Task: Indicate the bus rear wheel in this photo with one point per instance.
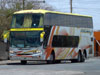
(81, 57)
(23, 62)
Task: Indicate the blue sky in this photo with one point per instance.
(85, 7)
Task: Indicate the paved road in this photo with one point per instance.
(90, 67)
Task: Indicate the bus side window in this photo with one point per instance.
(65, 41)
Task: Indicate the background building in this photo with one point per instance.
(97, 43)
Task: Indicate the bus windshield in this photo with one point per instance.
(25, 39)
(27, 21)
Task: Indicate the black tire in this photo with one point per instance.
(79, 57)
(57, 61)
(73, 60)
(51, 59)
(85, 53)
(83, 58)
(23, 62)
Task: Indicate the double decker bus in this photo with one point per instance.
(50, 36)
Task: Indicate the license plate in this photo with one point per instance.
(21, 58)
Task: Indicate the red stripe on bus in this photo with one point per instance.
(23, 56)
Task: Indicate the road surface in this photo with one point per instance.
(90, 67)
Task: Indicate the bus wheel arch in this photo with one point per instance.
(51, 58)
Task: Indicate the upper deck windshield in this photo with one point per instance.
(27, 21)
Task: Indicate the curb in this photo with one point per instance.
(5, 62)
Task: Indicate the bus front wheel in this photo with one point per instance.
(51, 59)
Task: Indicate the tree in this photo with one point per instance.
(8, 7)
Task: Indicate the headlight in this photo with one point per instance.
(38, 51)
(12, 52)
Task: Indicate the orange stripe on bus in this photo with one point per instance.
(66, 53)
(75, 54)
(71, 51)
(49, 48)
(58, 52)
(86, 47)
(51, 38)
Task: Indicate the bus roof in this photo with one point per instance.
(47, 11)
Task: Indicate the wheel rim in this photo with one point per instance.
(51, 57)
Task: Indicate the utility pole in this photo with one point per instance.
(23, 4)
(71, 6)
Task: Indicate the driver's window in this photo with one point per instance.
(27, 21)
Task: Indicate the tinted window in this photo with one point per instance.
(27, 21)
(25, 39)
(47, 30)
(68, 20)
(65, 41)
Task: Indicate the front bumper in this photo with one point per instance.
(27, 57)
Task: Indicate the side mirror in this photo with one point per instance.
(5, 40)
(5, 36)
(42, 36)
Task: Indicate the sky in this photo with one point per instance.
(85, 7)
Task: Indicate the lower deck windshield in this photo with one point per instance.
(25, 39)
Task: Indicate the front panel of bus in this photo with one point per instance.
(26, 37)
